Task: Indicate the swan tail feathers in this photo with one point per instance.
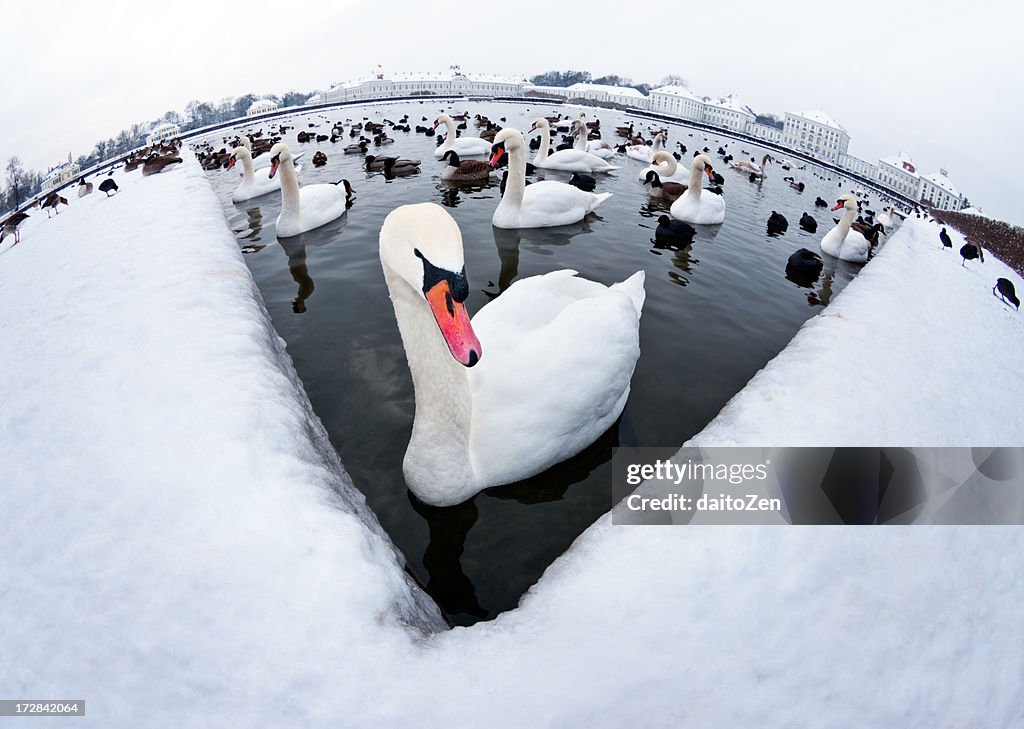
(599, 198)
(634, 288)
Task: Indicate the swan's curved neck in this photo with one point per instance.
(695, 184)
(656, 147)
(846, 221)
(515, 185)
(441, 427)
(247, 174)
(581, 139)
(542, 152)
(452, 134)
(764, 161)
(668, 167)
(289, 188)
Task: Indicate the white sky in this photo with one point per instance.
(939, 80)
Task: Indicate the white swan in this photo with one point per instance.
(694, 207)
(463, 146)
(645, 152)
(568, 160)
(842, 242)
(758, 170)
(667, 167)
(309, 207)
(596, 147)
(538, 375)
(542, 204)
(886, 218)
(254, 182)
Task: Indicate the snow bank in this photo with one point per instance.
(177, 527)
(916, 351)
(181, 546)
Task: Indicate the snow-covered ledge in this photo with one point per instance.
(181, 546)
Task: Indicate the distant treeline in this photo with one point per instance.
(21, 184)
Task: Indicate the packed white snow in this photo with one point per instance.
(917, 351)
(181, 547)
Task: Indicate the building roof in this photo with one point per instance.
(942, 181)
(902, 162)
(411, 76)
(677, 91)
(263, 104)
(164, 127)
(731, 103)
(60, 169)
(620, 90)
(820, 117)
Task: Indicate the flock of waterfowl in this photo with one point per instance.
(475, 426)
(152, 161)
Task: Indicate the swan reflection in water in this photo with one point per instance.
(250, 231)
(509, 242)
(448, 583)
(295, 248)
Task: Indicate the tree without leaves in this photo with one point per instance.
(674, 80)
(561, 78)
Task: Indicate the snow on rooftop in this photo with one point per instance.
(901, 161)
(676, 91)
(620, 90)
(942, 182)
(202, 547)
(731, 103)
(416, 76)
(819, 117)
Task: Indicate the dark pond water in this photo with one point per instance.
(716, 312)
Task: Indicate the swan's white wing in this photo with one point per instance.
(320, 204)
(559, 353)
(554, 203)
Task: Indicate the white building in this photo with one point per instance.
(162, 133)
(561, 92)
(60, 176)
(622, 95)
(448, 83)
(816, 134)
(728, 112)
(764, 131)
(939, 192)
(899, 173)
(676, 101)
(858, 166)
(262, 106)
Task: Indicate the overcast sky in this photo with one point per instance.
(939, 80)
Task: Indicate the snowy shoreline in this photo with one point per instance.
(183, 546)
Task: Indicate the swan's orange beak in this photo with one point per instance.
(274, 164)
(496, 156)
(839, 205)
(710, 172)
(453, 320)
(231, 163)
